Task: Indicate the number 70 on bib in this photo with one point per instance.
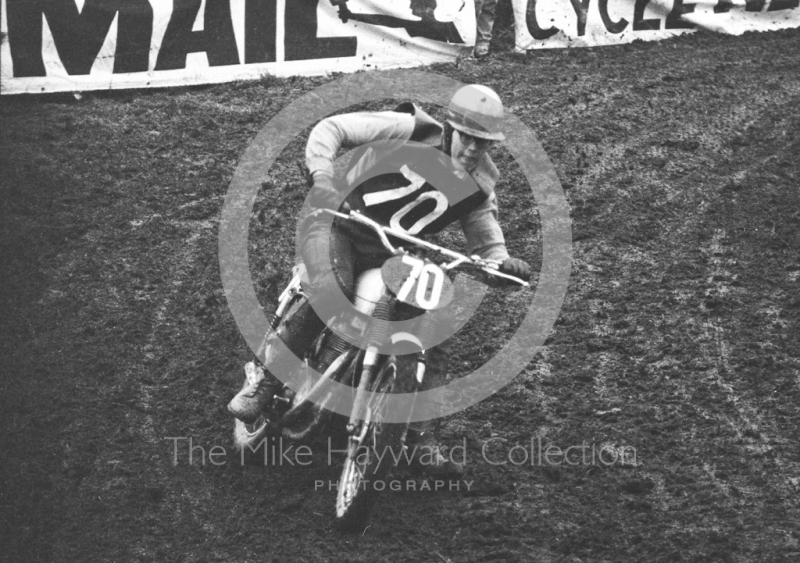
(417, 282)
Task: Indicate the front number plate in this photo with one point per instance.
(418, 282)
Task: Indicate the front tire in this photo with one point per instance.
(357, 490)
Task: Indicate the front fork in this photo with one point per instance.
(379, 334)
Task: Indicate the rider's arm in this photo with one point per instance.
(483, 233)
(351, 130)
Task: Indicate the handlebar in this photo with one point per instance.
(490, 267)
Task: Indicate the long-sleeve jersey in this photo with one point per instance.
(477, 214)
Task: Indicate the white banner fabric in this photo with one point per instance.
(76, 45)
(586, 23)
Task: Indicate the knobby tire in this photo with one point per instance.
(356, 492)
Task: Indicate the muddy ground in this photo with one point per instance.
(676, 350)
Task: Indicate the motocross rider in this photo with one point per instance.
(472, 126)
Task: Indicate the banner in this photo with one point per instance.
(74, 45)
(584, 23)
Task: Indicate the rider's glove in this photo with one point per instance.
(324, 194)
(517, 268)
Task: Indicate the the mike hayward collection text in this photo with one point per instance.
(280, 452)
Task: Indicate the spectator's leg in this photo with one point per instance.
(485, 16)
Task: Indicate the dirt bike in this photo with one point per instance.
(406, 283)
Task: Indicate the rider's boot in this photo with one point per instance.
(256, 395)
(260, 387)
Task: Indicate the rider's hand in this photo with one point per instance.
(324, 194)
(517, 268)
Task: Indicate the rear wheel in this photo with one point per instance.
(364, 473)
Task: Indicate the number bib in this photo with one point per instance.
(409, 190)
(417, 282)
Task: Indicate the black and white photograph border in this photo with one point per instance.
(657, 419)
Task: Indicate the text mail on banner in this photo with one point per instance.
(68, 45)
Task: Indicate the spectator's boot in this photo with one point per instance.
(481, 50)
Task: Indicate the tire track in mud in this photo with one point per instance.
(133, 468)
(727, 403)
(715, 350)
(145, 546)
(536, 382)
(759, 439)
(183, 499)
(680, 228)
(753, 430)
(592, 310)
(177, 496)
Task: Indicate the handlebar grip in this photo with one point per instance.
(517, 268)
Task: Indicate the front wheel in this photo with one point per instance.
(372, 453)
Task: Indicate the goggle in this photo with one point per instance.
(479, 142)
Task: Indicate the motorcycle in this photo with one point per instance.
(406, 285)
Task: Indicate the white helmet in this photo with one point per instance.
(477, 110)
